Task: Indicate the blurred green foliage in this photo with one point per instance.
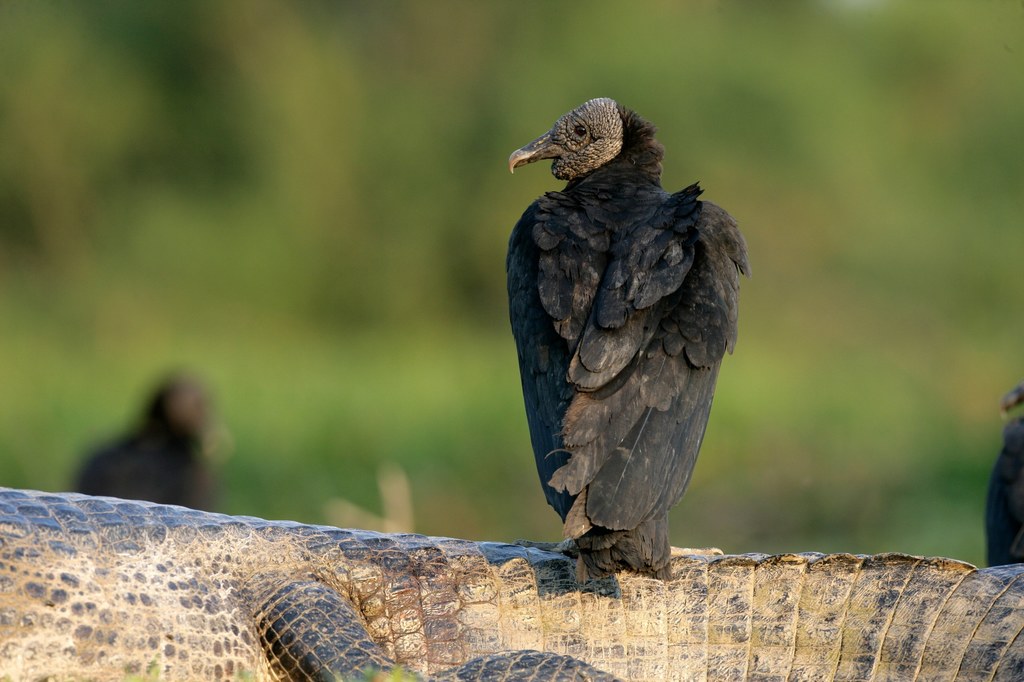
(308, 204)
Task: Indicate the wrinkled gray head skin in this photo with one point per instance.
(581, 141)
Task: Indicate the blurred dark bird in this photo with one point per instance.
(163, 459)
(1004, 508)
(623, 300)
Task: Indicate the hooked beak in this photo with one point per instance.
(541, 148)
(1012, 399)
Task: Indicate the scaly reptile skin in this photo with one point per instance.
(94, 588)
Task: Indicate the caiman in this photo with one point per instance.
(101, 588)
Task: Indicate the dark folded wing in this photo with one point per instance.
(552, 274)
(650, 259)
(647, 376)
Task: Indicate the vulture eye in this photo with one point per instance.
(580, 130)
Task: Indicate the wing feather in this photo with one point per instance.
(543, 356)
(634, 445)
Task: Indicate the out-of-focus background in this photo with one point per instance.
(308, 205)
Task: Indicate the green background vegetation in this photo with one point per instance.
(308, 205)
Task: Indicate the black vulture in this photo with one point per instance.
(162, 459)
(623, 300)
(1004, 508)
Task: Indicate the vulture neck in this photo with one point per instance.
(639, 148)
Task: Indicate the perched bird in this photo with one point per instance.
(623, 300)
(162, 459)
(1004, 508)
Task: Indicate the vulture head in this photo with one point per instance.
(581, 141)
(180, 409)
(1012, 399)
